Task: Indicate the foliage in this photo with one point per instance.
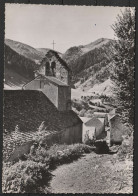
(93, 64)
(126, 148)
(32, 175)
(123, 68)
(59, 154)
(23, 177)
(88, 140)
(80, 105)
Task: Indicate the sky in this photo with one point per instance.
(68, 26)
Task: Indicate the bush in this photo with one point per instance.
(126, 149)
(32, 175)
(23, 177)
(59, 154)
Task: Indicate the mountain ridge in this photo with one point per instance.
(89, 63)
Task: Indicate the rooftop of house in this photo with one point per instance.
(94, 122)
(111, 116)
(113, 111)
(29, 108)
(102, 120)
(85, 119)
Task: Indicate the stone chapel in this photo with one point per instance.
(53, 78)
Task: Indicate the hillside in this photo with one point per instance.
(90, 64)
(75, 52)
(34, 54)
(17, 69)
(21, 60)
(45, 50)
(105, 88)
(13, 80)
(25, 50)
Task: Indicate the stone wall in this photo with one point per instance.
(68, 136)
(116, 130)
(64, 98)
(60, 72)
(73, 134)
(51, 91)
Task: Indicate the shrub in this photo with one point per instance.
(32, 175)
(23, 177)
(126, 149)
(59, 154)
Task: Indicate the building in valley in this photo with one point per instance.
(93, 127)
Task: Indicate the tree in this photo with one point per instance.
(123, 66)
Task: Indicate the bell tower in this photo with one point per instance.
(54, 80)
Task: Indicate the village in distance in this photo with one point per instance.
(69, 116)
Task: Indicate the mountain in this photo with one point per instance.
(91, 64)
(105, 88)
(45, 50)
(75, 52)
(25, 50)
(21, 60)
(34, 54)
(13, 80)
(17, 68)
(82, 57)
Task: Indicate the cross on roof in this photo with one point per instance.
(53, 44)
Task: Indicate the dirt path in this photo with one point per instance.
(93, 174)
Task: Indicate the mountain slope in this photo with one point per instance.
(45, 50)
(82, 57)
(105, 88)
(34, 54)
(91, 63)
(13, 80)
(25, 50)
(17, 69)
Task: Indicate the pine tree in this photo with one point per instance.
(123, 66)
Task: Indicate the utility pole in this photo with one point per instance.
(53, 44)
